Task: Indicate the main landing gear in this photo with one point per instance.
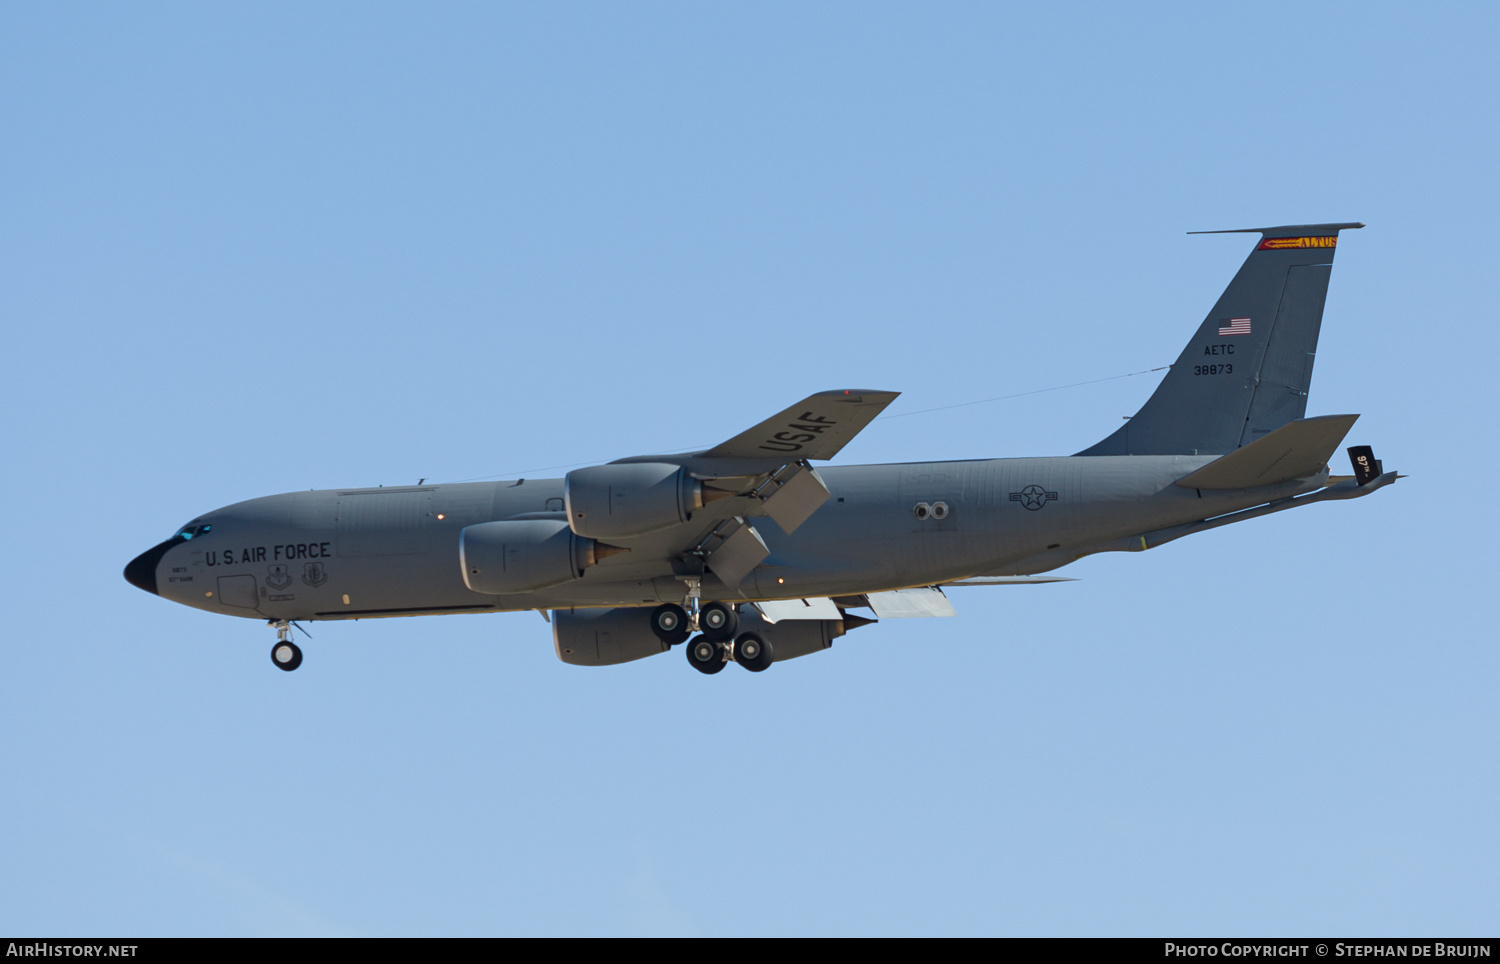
(286, 654)
(718, 621)
(710, 656)
(718, 646)
(673, 624)
(706, 656)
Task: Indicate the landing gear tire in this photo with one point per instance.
(718, 621)
(706, 656)
(670, 624)
(287, 656)
(753, 653)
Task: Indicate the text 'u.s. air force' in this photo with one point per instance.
(296, 550)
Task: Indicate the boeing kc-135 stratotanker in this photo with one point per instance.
(763, 556)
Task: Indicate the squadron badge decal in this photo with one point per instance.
(278, 578)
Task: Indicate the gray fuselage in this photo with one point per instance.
(362, 553)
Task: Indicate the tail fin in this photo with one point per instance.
(1247, 370)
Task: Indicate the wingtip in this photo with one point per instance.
(858, 392)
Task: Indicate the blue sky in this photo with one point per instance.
(259, 248)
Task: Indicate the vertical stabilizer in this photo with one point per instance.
(1247, 370)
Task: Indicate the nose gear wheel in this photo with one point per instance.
(287, 655)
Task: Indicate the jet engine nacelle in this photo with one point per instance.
(522, 555)
(791, 638)
(604, 637)
(610, 501)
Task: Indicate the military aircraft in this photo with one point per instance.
(763, 556)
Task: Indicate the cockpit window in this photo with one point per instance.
(192, 531)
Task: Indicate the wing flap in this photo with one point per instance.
(910, 603)
(796, 498)
(740, 550)
(775, 611)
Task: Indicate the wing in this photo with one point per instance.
(764, 471)
(815, 428)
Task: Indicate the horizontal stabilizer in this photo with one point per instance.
(1296, 450)
(1283, 231)
(817, 608)
(1009, 580)
(815, 428)
(910, 603)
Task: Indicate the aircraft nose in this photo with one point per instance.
(141, 571)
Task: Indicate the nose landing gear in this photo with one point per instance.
(286, 654)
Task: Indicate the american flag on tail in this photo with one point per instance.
(1236, 326)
